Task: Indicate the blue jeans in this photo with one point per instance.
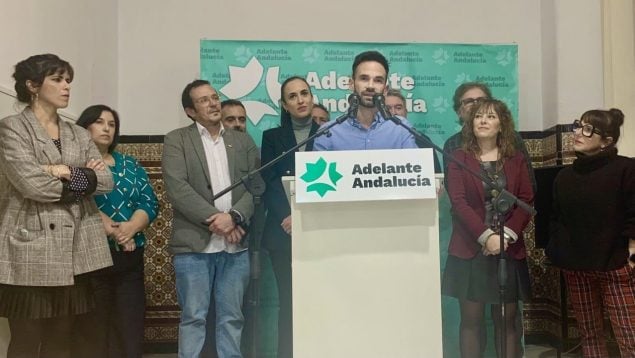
(198, 276)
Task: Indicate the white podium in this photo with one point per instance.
(366, 279)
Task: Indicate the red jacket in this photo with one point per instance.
(468, 204)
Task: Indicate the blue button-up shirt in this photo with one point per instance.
(351, 135)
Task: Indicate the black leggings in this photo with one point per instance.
(40, 338)
(472, 316)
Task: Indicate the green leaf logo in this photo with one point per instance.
(316, 170)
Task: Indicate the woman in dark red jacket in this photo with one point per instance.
(471, 270)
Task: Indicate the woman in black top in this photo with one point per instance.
(296, 125)
(592, 232)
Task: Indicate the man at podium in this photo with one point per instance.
(369, 130)
(344, 261)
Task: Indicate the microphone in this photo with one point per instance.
(353, 102)
(380, 102)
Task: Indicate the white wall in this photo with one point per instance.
(138, 55)
(580, 76)
(619, 66)
(157, 61)
(81, 32)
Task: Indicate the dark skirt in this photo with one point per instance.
(476, 279)
(38, 302)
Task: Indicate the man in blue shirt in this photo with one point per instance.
(369, 130)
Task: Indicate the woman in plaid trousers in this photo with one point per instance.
(592, 232)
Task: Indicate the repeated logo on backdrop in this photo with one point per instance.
(426, 74)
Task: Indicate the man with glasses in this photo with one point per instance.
(208, 240)
(465, 96)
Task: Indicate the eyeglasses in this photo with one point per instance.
(207, 99)
(587, 129)
(471, 101)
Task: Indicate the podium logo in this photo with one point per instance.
(317, 180)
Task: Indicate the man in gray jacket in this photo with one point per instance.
(208, 238)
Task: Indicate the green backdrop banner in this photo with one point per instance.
(426, 74)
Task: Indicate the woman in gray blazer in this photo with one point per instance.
(50, 227)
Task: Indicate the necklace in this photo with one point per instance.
(492, 172)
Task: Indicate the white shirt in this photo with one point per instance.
(216, 156)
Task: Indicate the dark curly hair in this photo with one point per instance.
(506, 137)
(35, 69)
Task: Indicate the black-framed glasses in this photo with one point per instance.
(207, 99)
(587, 129)
(471, 101)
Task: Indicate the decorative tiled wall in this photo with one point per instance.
(547, 318)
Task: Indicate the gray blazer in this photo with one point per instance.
(44, 242)
(189, 187)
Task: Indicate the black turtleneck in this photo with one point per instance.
(594, 212)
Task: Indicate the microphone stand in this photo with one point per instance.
(502, 203)
(255, 185)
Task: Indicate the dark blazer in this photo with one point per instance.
(274, 142)
(189, 188)
(468, 204)
(43, 241)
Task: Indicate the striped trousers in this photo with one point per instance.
(590, 293)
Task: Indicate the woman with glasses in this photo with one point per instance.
(296, 126)
(470, 273)
(592, 231)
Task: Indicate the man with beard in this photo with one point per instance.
(369, 130)
(234, 114)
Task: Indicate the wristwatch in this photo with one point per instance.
(236, 217)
